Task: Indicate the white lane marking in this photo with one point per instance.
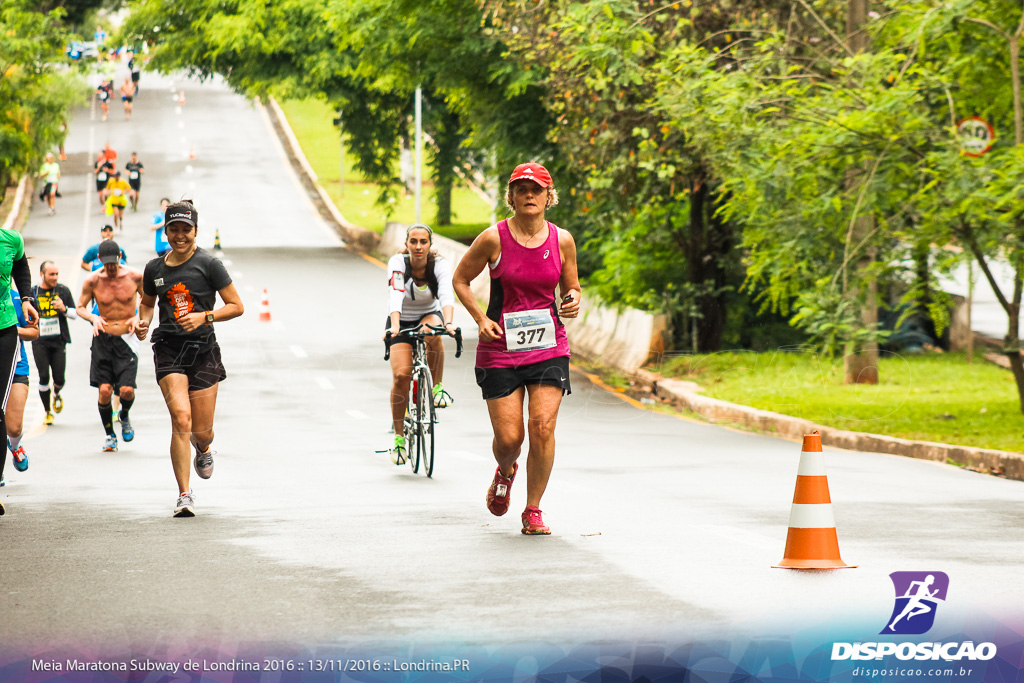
(324, 383)
(357, 415)
(89, 194)
(298, 351)
(189, 169)
(466, 455)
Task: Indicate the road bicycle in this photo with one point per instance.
(420, 416)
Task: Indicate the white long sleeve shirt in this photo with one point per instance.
(413, 301)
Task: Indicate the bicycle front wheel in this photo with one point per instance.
(426, 422)
(412, 431)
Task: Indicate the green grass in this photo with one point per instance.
(311, 120)
(931, 397)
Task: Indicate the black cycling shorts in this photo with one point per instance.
(20, 379)
(197, 359)
(502, 382)
(404, 325)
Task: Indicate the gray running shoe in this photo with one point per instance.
(185, 506)
(204, 463)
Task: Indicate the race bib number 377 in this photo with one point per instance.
(529, 330)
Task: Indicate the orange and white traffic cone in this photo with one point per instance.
(265, 307)
(192, 152)
(181, 97)
(812, 542)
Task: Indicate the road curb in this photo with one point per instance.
(355, 236)
(22, 199)
(687, 395)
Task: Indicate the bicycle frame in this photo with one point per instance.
(420, 416)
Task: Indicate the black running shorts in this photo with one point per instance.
(502, 382)
(113, 362)
(197, 359)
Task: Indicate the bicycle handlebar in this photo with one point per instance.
(435, 331)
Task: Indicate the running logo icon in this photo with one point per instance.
(917, 597)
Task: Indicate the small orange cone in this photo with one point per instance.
(812, 542)
(181, 97)
(265, 307)
(192, 152)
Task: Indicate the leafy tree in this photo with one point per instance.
(971, 52)
(365, 58)
(75, 12)
(35, 91)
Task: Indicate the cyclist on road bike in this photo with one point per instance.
(419, 293)
(523, 353)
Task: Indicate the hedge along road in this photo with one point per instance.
(662, 528)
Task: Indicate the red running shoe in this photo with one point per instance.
(501, 489)
(533, 523)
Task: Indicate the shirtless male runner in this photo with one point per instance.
(115, 360)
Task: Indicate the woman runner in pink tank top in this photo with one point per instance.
(523, 352)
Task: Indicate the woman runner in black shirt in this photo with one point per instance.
(183, 285)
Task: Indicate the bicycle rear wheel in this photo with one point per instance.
(427, 422)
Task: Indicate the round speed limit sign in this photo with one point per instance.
(976, 136)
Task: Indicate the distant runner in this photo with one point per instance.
(103, 169)
(127, 96)
(56, 306)
(160, 243)
(135, 170)
(50, 173)
(117, 198)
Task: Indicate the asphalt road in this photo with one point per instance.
(663, 528)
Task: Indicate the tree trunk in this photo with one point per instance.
(446, 156)
(706, 247)
(1011, 344)
(860, 363)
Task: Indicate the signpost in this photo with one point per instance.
(976, 136)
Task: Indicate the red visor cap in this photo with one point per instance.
(531, 171)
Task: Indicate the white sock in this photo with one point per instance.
(15, 441)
